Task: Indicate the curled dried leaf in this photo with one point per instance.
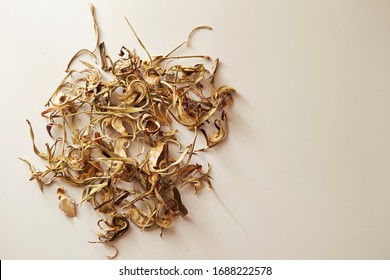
(196, 29)
(112, 230)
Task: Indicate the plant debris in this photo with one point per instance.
(66, 204)
(117, 138)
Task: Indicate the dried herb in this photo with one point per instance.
(66, 204)
(117, 136)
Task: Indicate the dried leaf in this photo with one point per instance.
(196, 29)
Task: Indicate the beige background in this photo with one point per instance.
(304, 173)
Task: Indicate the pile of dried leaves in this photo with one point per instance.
(115, 138)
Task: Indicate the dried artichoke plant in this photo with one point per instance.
(121, 153)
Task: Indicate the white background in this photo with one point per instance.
(281, 269)
(304, 173)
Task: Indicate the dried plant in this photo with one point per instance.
(121, 153)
